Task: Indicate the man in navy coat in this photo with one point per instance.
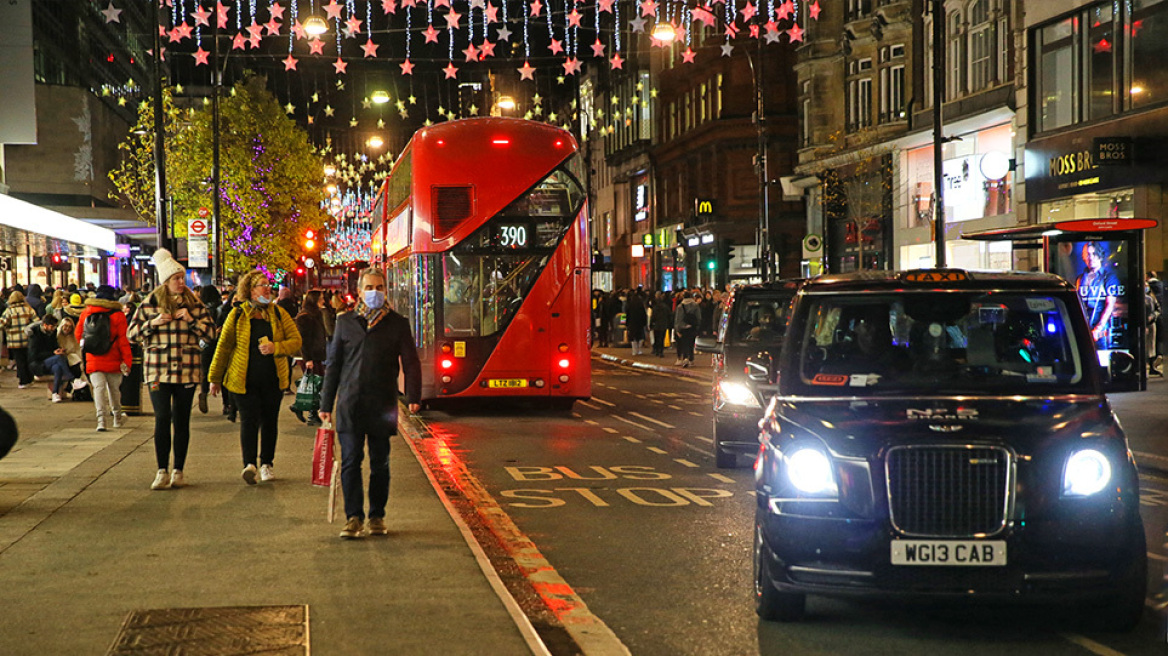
(361, 377)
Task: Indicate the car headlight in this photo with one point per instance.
(809, 471)
(1088, 471)
(737, 394)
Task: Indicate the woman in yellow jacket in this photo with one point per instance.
(251, 361)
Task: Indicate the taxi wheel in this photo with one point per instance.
(722, 459)
(769, 603)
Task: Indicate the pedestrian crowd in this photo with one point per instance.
(243, 343)
(639, 318)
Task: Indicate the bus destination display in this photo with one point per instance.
(512, 235)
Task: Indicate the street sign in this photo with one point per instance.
(812, 245)
(197, 228)
(204, 212)
(198, 255)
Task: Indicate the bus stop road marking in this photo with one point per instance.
(721, 477)
(696, 414)
(629, 438)
(586, 405)
(707, 440)
(651, 420)
(685, 462)
(609, 429)
(657, 450)
(602, 402)
(675, 407)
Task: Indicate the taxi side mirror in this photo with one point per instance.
(707, 345)
(1121, 368)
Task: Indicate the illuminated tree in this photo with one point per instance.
(270, 178)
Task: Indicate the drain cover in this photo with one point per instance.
(268, 630)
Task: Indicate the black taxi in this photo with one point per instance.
(944, 433)
(753, 320)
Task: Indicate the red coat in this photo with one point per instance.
(111, 361)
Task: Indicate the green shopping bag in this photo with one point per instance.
(307, 394)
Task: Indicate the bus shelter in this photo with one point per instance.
(1104, 260)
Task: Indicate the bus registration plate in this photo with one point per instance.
(507, 382)
(949, 552)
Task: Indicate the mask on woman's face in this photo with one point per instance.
(263, 300)
(374, 298)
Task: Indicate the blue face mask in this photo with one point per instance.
(374, 298)
(264, 300)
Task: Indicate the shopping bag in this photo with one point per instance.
(322, 456)
(307, 394)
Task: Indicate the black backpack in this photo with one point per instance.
(97, 334)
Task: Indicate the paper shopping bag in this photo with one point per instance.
(322, 456)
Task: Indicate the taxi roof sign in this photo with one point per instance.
(935, 275)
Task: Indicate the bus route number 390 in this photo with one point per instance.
(512, 235)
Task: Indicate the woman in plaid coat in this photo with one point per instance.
(169, 325)
(15, 319)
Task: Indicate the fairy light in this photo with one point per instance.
(295, 18)
(526, 40)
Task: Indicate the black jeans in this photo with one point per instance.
(685, 344)
(172, 405)
(259, 415)
(659, 341)
(352, 453)
(23, 373)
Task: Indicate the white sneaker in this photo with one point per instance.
(119, 419)
(267, 473)
(176, 479)
(161, 480)
(101, 424)
(56, 398)
(249, 474)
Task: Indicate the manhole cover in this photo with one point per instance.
(269, 630)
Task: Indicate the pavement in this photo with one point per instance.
(87, 549)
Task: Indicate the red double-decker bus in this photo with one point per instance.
(481, 227)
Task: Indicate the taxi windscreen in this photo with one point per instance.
(1002, 342)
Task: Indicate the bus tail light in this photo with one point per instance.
(446, 349)
(563, 378)
(565, 363)
(539, 382)
(563, 348)
(446, 379)
(447, 363)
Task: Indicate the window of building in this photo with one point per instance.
(805, 107)
(981, 46)
(892, 93)
(1058, 92)
(1005, 44)
(955, 57)
(856, 9)
(1101, 61)
(1149, 51)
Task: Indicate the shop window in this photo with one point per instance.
(1149, 48)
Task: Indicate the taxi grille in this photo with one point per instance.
(949, 491)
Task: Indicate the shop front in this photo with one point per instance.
(1115, 170)
(978, 175)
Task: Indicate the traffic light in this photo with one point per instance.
(59, 262)
(310, 239)
(725, 253)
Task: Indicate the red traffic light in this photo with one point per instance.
(299, 271)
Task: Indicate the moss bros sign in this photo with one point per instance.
(1061, 166)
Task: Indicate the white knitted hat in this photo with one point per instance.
(166, 265)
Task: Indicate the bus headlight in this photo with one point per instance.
(809, 471)
(737, 394)
(1088, 471)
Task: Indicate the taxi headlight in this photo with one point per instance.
(809, 471)
(1088, 471)
(737, 394)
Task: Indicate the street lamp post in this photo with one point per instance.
(938, 140)
(216, 219)
(160, 215)
(764, 205)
